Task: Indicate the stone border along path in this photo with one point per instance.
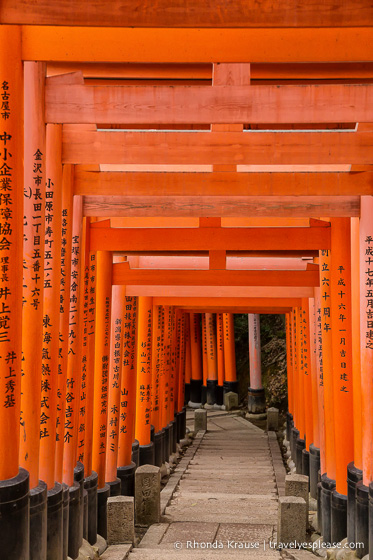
(222, 497)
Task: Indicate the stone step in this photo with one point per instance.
(205, 554)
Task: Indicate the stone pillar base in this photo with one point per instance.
(256, 402)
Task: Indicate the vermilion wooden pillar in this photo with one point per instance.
(127, 410)
(143, 384)
(220, 359)
(256, 397)
(66, 244)
(156, 395)
(302, 377)
(204, 360)
(295, 344)
(165, 371)
(51, 306)
(33, 269)
(307, 373)
(289, 369)
(230, 380)
(188, 359)
(320, 377)
(114, 382)
(14, 523)
(196, 360)
(212, 364)
(74, 352)
(340, 288)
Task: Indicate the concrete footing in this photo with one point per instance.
(147, 495)
(327, 487)
(353, 477)
(195, 392)
(136, 452)
(314, 467)
(200, 420)
(230, 400)
(338, 517)
(291, 525)
(102, 497)
(211, 386)
(272, 419)
(126, 474)
(120, 519)
(362, 518)
(90, 485)
(146, 454)
(75, 541)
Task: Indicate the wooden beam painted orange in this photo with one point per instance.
(219, 291)
(95, 44)
(123, 275)
(128, 183)
(209, 239)
(201, 302)
(203, 148)
(208, 104)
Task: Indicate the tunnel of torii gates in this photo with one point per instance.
(160, 170)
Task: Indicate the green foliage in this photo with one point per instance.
(273, 342)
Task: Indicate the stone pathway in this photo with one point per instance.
(226, 502)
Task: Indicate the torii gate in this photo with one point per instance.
(228, 146)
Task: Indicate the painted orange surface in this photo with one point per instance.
(229, 349)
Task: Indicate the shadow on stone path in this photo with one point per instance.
(226, 503)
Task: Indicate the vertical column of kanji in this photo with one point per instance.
(32, 312)
(51, 332)
(173, 375)
(115, 373)
(91, 477)
(289, 368)
(14, 482)
(73, 380)
(165, 383)
(127, 405)
(188, 360)
(354, 469)
(156, 364)
(65, 271)
(256, 396)
(319, 455)
(101, 381)
(340, 284)
(328, 476)
(366, 355)
(204, 360)
(195, 347)
(301, 425)
(295, 340)
(212, 366)
(144, 380)
(220, 358)
(230, 381)
(314, 448)
(307, 386)
(181, 411)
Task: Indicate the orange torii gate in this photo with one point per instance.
(221, 193)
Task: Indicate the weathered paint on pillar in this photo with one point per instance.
(51, 305)
(366, 334)
(195, 345)
(33, 265)
(128, 384)
(74, 350)
(340, 286)
(229, 349)
(326, 326)
(65, 272)
(212, 366)
(115, 377)
(143, 365)
(356, 358)
(220, 348)
(102, 360)
(255, 351)
(11, 216)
